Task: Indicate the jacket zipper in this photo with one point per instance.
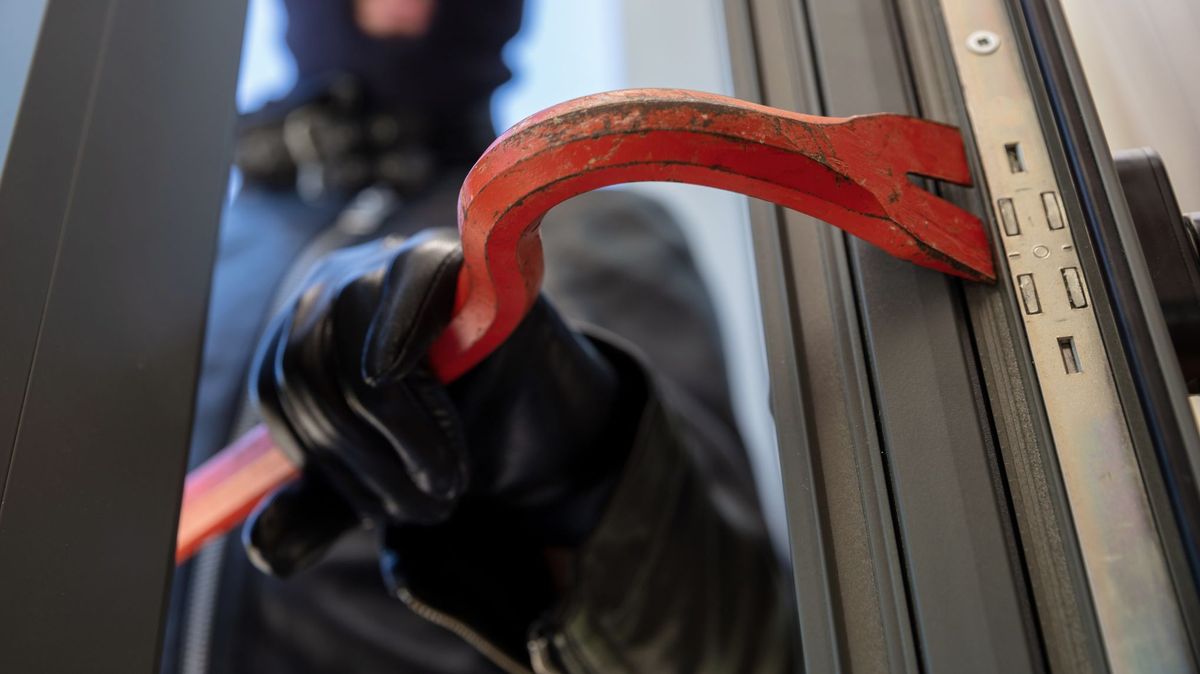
(464, 632)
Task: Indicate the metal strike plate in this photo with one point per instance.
(1124, 560)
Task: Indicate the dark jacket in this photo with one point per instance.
(678, 576)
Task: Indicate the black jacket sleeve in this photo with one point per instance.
(679, 576)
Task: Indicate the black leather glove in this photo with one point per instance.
(535, 435)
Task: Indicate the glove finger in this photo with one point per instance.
(401, 397)
(310, 421)
(327, 421)
(336, 414)
(416, 419)
(415, 305)
(294, 527)
(383, 449)
(264, 390)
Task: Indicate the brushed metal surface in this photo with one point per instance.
(1123, 556)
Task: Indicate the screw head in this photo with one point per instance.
(983, 42)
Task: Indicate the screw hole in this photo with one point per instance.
(983, 42)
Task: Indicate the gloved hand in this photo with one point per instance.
(537, 432)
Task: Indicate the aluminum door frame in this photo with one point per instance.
(901, 533)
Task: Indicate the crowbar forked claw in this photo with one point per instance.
(850, 172)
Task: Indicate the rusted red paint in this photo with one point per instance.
(849, 172)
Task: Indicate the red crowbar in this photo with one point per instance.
(850, 172)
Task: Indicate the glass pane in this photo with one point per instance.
(22, 21)
(665, 267)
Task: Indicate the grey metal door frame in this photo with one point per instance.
(929, 521)
(109, 203)
(884, 431)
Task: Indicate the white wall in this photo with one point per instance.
(681, 43)
(566, 49)
(1142, 61)
(267, 70)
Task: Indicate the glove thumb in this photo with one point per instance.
(415, 305)
(292, 529)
